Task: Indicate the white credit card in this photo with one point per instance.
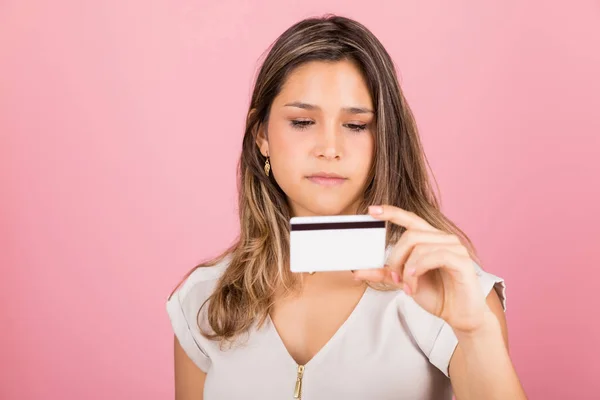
(336, 243)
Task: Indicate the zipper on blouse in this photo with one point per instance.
(298, 388)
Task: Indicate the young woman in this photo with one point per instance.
(329, 132)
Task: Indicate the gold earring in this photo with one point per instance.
(267, 166)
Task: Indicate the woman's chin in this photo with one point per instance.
(328, 209)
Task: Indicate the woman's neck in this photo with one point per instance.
(325, 282)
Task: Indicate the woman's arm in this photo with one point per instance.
(437, 271)
(189, 379)
(481, 367)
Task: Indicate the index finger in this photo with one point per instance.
(401, 217)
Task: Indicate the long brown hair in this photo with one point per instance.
(258, 261)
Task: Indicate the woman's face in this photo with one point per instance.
(320, 138)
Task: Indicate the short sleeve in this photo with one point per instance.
(183, 308)
(185, 332)
(433, 335)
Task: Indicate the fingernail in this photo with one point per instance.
(376, 209)
(395, 277)
(406, 289)
(411, 271)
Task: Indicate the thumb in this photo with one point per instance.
(379, 275)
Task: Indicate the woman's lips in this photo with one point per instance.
(325, 179)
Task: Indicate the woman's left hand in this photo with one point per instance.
(434, 268)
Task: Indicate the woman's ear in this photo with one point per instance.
(261, 139)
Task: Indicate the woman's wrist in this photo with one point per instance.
(488, 332)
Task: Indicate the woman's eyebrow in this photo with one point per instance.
(349, 110)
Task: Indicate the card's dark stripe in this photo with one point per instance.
(338, 225)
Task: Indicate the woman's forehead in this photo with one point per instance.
(320, 84)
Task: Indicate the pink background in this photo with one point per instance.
(120, 127)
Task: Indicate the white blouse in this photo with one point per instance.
(388, 348)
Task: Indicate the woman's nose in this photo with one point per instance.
(329, 143)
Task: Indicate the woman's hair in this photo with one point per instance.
(258, 261)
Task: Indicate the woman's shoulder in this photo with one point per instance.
(185, 301)
(200, 282)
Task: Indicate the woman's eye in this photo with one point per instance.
(357, 127)
(301, 124)
(304, 124)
